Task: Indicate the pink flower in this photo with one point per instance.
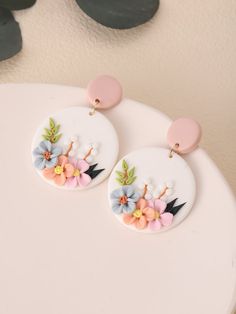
(79, 177)
(60, 172)
(162, 219)
(141, 215)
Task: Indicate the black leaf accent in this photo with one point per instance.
(170, 208)
(93, 173)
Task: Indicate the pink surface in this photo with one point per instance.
(64, 252)
(186, 133)
(106, 89)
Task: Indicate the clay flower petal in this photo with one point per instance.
(62, 160)
(160, 205)
(73, 162)
(149, 213)
(69, 170)
(155, 225)
(166, 219)
(142, 203)
(141, 223)
(56, 151)
(128, 219)
(45, 146)
(117, 208)
(60, 179)
(129, 207)
(72, 182)
(84, 179)
(40, 163)
(51, 163)
(49, 173)
(82, 165)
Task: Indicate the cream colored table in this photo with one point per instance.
(64, 252)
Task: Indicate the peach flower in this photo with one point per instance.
(141, 216)
(60, 172)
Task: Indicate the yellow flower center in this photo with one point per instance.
(58, 169)
(137, 213)
(76, 173)
(157, 215)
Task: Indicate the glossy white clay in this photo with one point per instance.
(64, 252)
(76, 122)
(154, 166)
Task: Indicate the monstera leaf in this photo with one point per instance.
(16, 4)
(10, 35)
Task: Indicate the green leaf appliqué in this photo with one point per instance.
(52, 133)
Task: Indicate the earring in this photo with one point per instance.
(153, 189)
(77, 147)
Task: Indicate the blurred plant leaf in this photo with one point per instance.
(10, 35)
(16, 4)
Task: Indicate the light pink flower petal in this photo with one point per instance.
(73, 162)
(150, 204)
(84, 179)
(142, 203)
(160, 205)
(62, 160)
(166, 219)
(155, 225)
(72, 182)
(82, 165)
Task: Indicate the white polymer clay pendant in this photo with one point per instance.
(76, 148)
(153, 189)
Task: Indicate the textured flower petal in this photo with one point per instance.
(128, 219)
(60, 179)
(56, 151)
(142, 203)
(82, 165)
(135, 196)
(49, 173)
(39, 163)
(151, 204)
(117, 193)
(51, 163)
(73, 162)
(166, 219)
(69, 170)
(46, 146)
(155, 225)
(62, 160)
(84, 179)
(129, 207)
(141, 223)
(72, 182)
(160, 205)
(129, 190)
(37, 152)
(117, 208)
(149, 213)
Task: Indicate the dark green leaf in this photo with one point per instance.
(17, 4)
(10, 35)
(93, 173)
(170, 205)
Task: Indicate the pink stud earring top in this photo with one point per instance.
(104, 92)
(184, 135)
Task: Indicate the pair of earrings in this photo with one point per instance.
(150, 190)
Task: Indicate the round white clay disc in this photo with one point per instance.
(74, 150)
(150, 192)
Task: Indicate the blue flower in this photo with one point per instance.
(46, 155)
(124, 199)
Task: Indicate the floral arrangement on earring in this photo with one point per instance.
(61, 165)
(143, 207)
